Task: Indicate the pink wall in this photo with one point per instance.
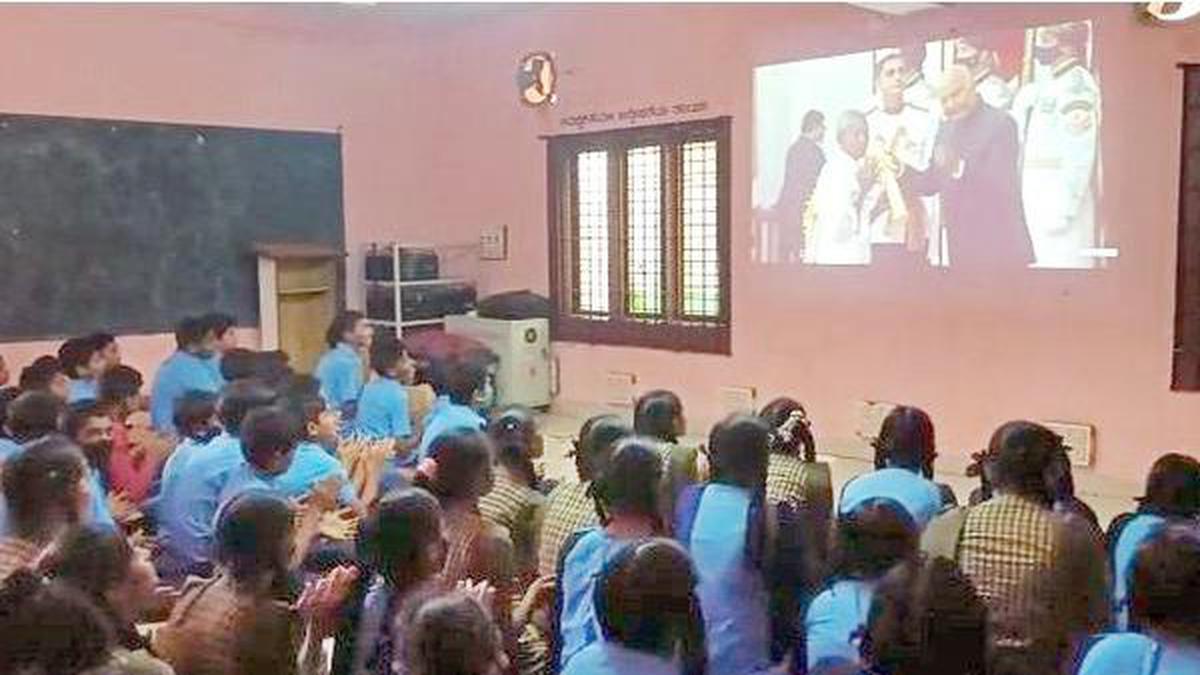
(436, 147)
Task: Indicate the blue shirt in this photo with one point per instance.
(340, 371)
(82, 390)
(189, 504)
(243, 478)
(732, 592)
(446, 416)
(180, 373)
(177, 462)
(8, 448)
(214, 362)
(917, 494)
(577, 621)
(834, 619)
(383, 410)
(1137, 654)
(310, 464)
(609, 658)
(1136, 532)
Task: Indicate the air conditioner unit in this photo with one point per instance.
(523, 376)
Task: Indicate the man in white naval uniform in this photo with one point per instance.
(1059, 115)
(837, 233)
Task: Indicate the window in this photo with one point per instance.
(1185, 370)
(639, 236)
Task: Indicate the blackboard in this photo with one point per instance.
(129, 226)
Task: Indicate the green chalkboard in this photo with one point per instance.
(129, 226)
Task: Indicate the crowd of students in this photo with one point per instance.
(372, 519)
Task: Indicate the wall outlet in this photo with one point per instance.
(618, 388)
(870, 417)
(1080, 440)
(737, 400)
(493, 243)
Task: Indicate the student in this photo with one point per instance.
(457, 380)
(648, 613)
(403, 542)
(224, 333)
(383, 406)
(239, 364)
(870, 541)
(120, 582)
(570, 507)
(87, 424)
(910, 427)
(724, 526)
(514, 502)
(81, 640)
(905, 462)
(46, 491)
(1164, 585)
(197, 424)
(83, 364)
(110, 351)
(315, 459)
(7, 396)
(191, 493)
(1172, 496)
(658, 414)
(628, 501)
(186, 370)
(45, 374)
(1062, 485)
(30, 416)
(138, 452)
(452, 634)
(796, 480)
(269, 437)
(245, 619)
(340, 369)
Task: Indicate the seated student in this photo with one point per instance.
(190, 497)
(340, 369)
(238, 364)
(45, 374)
(120, 582)
(46, 492)
(186, 370)
(315, 458)
(246, 619)
(628, 501)
(137, 452)
(450, 634)
(89, 426)
(403, 542)
(197, 424)
(903, 478)
(514, 502)
(383, 405)
(269, 438)
(658, 414)
(870, 541)
(457, 380)
(569, 506)
(110, 351)
(1164, 586)
(31, 416)
(224, 331)
(648, 613)
(1062, 485)
(83, 363)
(1172, 496)
(7, 396)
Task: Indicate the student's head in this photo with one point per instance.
(196, 415)
(238, 399)
(631, 484)
(926, 618)
(238, 364)
(192, 334)
(403, 539)
(1059, 476)
(33, 415)
(739, 450)
(598, 437)
(44, 374)
(254, 538)
(390, 359)
(46, 487)
(89, 425)
(121, 389)
(100, 562)
(1165, 583)
(106, 345)
(223, 329)
(273, 368)
(269, 437)
(349, 327)
(645, 600)
(452, 634)
(872, 538)
(659, 414)
(464, 472)
(50, 627)
(1019, 460)
(906, 441)
(321, 422)
(791, 433)
(1173, 486)
(460, 377)
(80, 358)
(518, 442)
(813, 126)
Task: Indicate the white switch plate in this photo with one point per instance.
(493, 243)
(739, 400)
(619, 388)
(870, 415)
(1079, 438)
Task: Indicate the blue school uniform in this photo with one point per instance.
(1137, 654)
(8, 448)
(833, 621)
(310, 464)
(180, 373)
(340, 371)
(82, 390)
(189, 504)
(446, 416)
(580, 569)
(1136, 532)
(244, 478)
(383, 410)
(609, 658)
(100, 513)
(733, 595)
(917, 494)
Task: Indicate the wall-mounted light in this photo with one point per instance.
(1169, 13)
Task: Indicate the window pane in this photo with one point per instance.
(643, 190)
(701, 287)
(591, 264)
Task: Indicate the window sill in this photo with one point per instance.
(699, 338)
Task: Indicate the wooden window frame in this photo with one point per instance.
(1185, 357)
(618, 326)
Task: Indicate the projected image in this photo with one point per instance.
(978, 151)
